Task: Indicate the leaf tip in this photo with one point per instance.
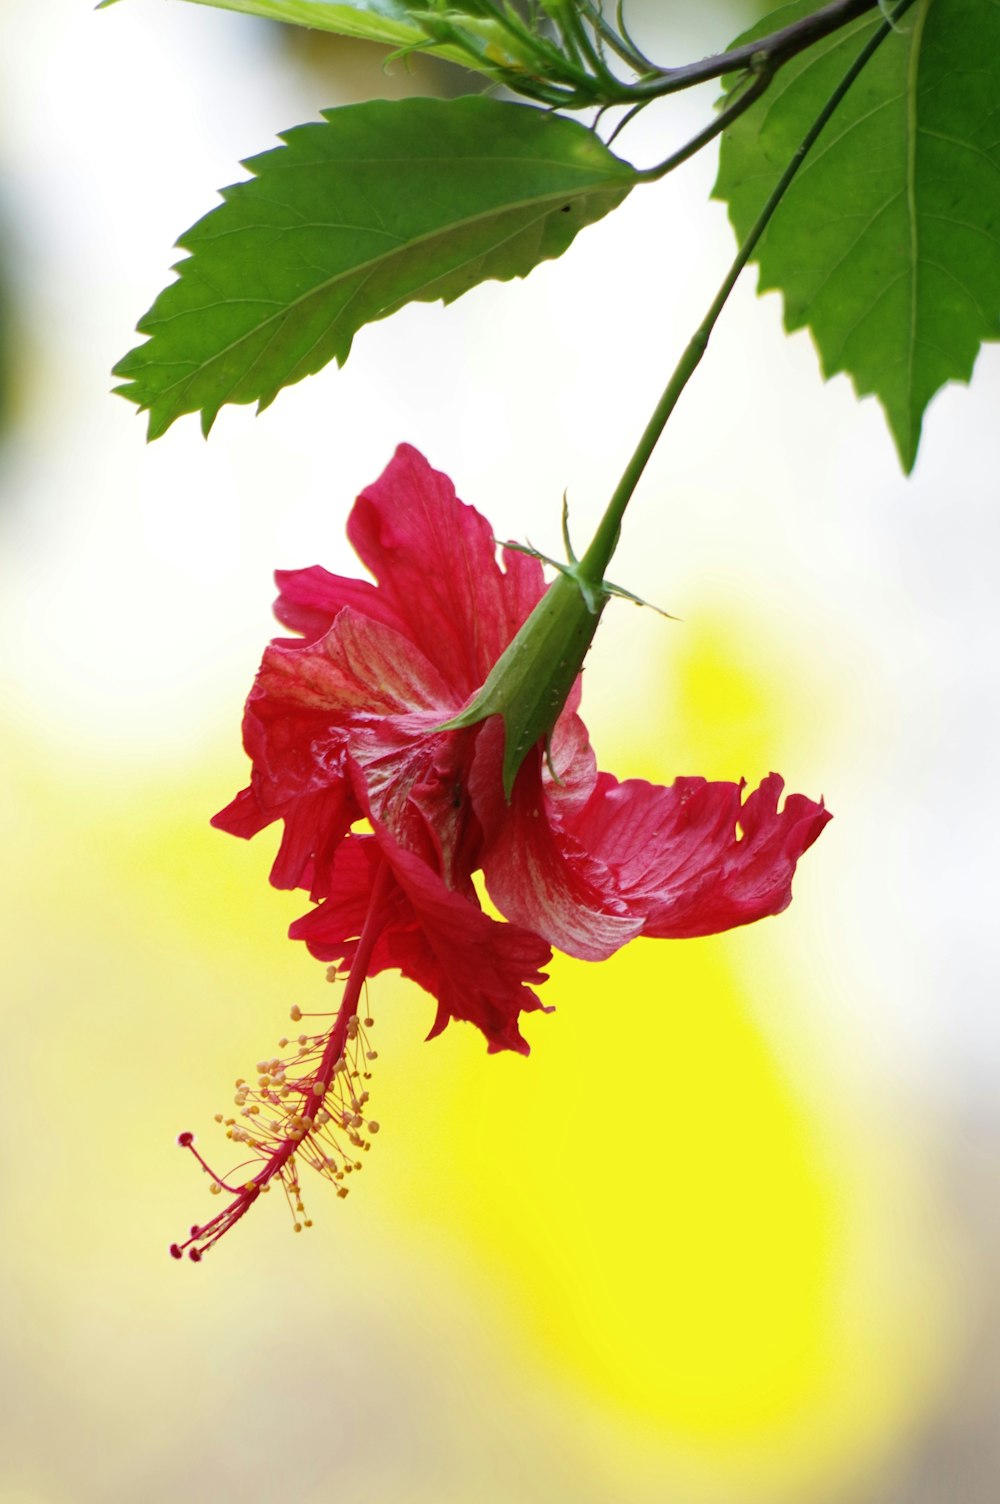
(905, 430)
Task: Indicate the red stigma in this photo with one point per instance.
(185, 1140)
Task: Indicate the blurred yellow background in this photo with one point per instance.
(729, 1235)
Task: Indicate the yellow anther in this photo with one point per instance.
(373, 1127)
(295, 1013)
(215, 1188)
(318, 1088)
(369, 1023)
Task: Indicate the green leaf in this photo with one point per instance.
(887, 244)
(393, 22)
(382, 204)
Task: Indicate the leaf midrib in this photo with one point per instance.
(912, 131)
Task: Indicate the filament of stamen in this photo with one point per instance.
(309, 1128)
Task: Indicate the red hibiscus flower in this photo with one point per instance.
(387, 814)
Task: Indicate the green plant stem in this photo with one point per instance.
(606, 32)
(573, 74)
(776, 48)
(751, 87)
(574, 77)
(574, 31)
(593, 565)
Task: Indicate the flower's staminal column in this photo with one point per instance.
(308, 1105)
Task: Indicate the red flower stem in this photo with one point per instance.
(334, 1048)
(593, 566)
(313, 1100)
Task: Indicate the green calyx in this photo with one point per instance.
(531, 680)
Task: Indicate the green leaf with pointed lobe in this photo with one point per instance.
(379, 205)
(887, 244)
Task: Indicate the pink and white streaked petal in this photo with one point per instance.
(536, 875)
(359, 667)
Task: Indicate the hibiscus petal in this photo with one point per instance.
(479, 970)
(590, 873)
(309, 600)
(359, 666)
(314, 825)
(678, 860)
(435, 561)
(536, 874)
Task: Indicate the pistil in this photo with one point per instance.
(310, 1104)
